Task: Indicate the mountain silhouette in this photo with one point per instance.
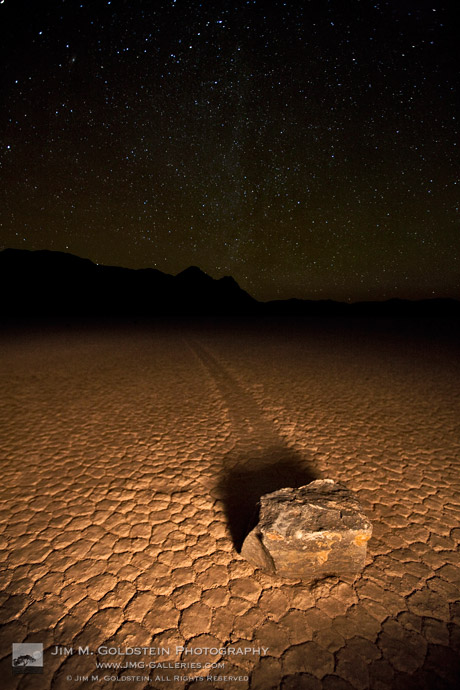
(45, 283)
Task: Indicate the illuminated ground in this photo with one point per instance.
(131, 462)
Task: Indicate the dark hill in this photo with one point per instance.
(392, 308)
(45, 283)
(54, 284)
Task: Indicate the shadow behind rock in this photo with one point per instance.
(248, 476)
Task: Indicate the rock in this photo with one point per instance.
(311, 532)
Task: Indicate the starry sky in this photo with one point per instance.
(308, 149)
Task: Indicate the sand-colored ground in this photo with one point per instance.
(131, 461)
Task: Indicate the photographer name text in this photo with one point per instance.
(159, 651)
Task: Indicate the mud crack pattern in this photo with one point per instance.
(131, 463)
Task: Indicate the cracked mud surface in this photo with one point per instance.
(132, 460)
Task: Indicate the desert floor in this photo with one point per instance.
(132, 458)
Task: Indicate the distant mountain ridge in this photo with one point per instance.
(45, 283)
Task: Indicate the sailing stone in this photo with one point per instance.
(310, 532)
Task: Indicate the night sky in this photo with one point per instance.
(308, 149)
